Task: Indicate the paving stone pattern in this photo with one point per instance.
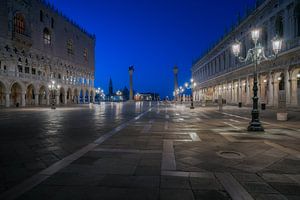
(171, 152)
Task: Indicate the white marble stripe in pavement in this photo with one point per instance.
(148, 126)
(231, 125)
(126, 150)
(233, 187)
(194, 136)
(203, 115)
(294, 177)
(35, 180)
(198, 119)
(188, 174)
(168, 157)
(232, 120)
(166, 127)
(292, 152)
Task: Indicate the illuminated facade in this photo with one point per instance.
(39, 45)
(218, 72)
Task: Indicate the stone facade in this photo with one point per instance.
(218, 72)
(39, 45)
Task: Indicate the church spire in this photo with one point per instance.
(110, 88)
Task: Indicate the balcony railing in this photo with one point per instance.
(24, 39)
(29, 77)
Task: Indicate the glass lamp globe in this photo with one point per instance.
(255, 34)
(276, 44)
(236, 48)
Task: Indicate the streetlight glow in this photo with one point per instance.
(256, 55)
(255, 35)
(276, 44)
(236, 48)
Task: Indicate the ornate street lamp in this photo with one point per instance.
(53, 88)
(256, 55)
(191, 86)
(119, 94)
(98, 92)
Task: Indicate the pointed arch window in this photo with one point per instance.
(85, 54)
(19, 23)
(70, 47)
(47, 36)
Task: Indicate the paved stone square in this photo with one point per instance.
(147, 151)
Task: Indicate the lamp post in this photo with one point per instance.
(53, 88)
(191, 86)
(256, 55)
(119, 94)
(98, 91)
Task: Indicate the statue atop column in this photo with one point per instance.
(175, 71)
(131, 70)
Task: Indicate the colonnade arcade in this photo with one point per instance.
(20, 94)
(269, 84)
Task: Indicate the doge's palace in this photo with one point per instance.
(40, 46)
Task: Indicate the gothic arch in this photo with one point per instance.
(69, 95)
(30, 94)
(62, 93)
(16, 94)
(2, 93)
(42, 95)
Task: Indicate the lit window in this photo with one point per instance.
(47, 36)
(70, 47)
(19, 24)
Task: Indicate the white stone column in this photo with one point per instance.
(36, 99)
(65, 99)
(270, 90)
(258, 87)
(57, 99)
(232, 88)
(287, 86)
(89, 98)
(47, 99)
(93, 98)
(275, 92)
(239, 97)
(247, 91)
(23, 102)
(83, 98)
(7, 100)
(294, 97)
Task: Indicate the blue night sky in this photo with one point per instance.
(152, 35)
